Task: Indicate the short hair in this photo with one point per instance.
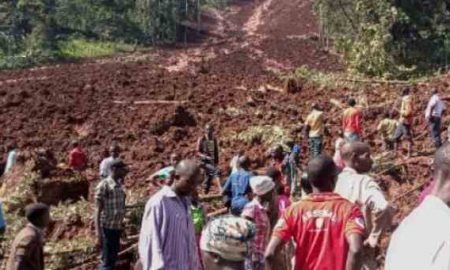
(387, 114)
(406, 91)
(320, 170)
(273, 173)
(75, 143)
(351, 102)
(34, 212)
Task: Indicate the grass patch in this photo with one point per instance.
(81, 48)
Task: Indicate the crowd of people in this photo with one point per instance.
(329, 214)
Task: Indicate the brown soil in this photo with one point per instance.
(50, 106)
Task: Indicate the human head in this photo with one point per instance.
(316, 106)
(263, 187)
(322, 173)
(277, 152)
(75, 143)
(442, 173)
(387, 114)
(186, 177)
(356, 155)
(243, 162)
(174, 159)
(435, 91)
(12, 146)
(273, 173)
(406, 91)
(38, 214)
(114, 150)
(209, 131)
(225, 242)
(351, 102)
(118, 170)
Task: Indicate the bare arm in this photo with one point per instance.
(354, 251)
(98, 212)
(274, 244)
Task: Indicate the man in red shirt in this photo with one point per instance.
(77, 158)
(327, 229)
(351, 122)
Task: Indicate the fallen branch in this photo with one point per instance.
(210, 197)
(149, 102)
(376, 81)
(409, 192)
(127, 250)
(218, 212)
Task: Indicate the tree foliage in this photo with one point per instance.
(34, 27)
(389, 37)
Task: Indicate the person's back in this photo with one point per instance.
(28, 243)
(77, 159)
(351, 120)
(321, 221)
(387, 127)
(407, 109)
(315, 122)
(422, 241)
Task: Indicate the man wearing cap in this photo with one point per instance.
(257, 211)
(27, 249)
(110, 212)
(225, 242)
(326, 228)
(433, 115)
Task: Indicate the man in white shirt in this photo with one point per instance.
(105, 165)
(433, 114)
(355, 185)
(422, 241)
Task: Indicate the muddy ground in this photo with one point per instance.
(156, 102)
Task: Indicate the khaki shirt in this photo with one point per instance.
(27, 250)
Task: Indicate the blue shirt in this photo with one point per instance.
(238, 185)
(2, 219)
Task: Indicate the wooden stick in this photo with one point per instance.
(210, 197)
(376, 81)
(125, 251)
(409, 192)
(149, 102)
(218, 212)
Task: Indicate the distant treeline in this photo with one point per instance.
(33, 28)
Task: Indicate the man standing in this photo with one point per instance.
(258, 211)
(327, 229)
(238, 186)
(105, 165)
(351, 122)
(77, 158)
(433, 115)
(12, 157)
(314, 128)
(404, 128)
(27, 249)
(225, 241)
(422, 241)
(110, 212)
(208, 152)
(356, 186)
(167, 238)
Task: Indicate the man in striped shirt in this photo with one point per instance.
(167, 239)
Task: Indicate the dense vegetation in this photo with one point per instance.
(35, 30)
(389, 37)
